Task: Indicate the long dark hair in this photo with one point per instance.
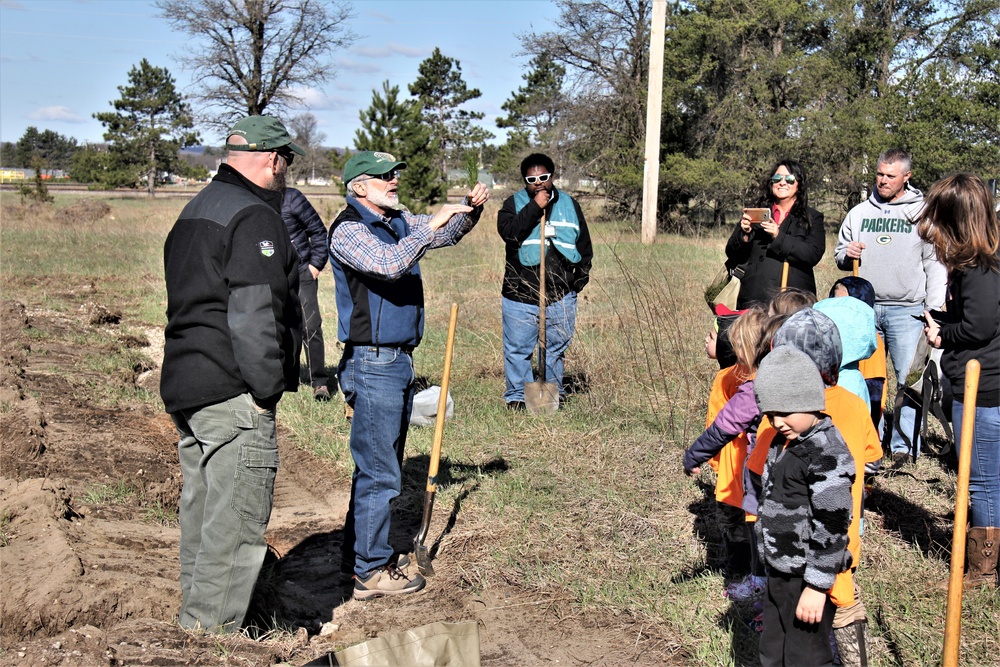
(801, 206)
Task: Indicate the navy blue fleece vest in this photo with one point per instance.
(370, 309)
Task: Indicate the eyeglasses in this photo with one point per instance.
(387, 176)
(790, 179)
(541, 178)
(288, 156)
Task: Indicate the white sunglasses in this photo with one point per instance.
(541, 178)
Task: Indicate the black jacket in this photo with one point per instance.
(232, 279)
(306, 229)
(973, 332)
(801, 245)
(520, 283)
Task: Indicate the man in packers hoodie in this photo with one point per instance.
(879, 233)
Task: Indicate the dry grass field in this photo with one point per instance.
(573, 538)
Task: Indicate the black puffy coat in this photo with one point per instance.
(799, 243)
(305, 228)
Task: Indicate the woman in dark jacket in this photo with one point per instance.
(794, 234)
(958, 220)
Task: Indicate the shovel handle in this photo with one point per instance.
(854, 267)
(784, 276)
(541, 298)
(432, 470)
(953, 615)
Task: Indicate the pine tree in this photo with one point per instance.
(150, 124)
(397, 126)
(441, 91)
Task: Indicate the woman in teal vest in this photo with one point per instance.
(568, 255)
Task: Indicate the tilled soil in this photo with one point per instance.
(92, 579)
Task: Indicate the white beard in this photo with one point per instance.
(383, 199)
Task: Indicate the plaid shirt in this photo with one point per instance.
(354, 245)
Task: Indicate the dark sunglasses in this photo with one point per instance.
(289, 156)
(790, 179)
(387, 176)
(541, 178)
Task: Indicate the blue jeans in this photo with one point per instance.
(520, 338)
(379, 384)
(901, 333)
(984, 473)
(229, 458)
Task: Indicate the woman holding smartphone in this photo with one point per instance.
(793, 233)
(958, 220)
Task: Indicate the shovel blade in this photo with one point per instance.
(541, 398)
(423, 556)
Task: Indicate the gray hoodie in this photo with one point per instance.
(896, 261)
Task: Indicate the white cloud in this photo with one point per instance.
(354, 67)
(390, 50)
(64, 114)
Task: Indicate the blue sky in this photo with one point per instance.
(63, 60)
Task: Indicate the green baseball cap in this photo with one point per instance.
(373, 163)
(263, 133)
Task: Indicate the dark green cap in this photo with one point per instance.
(263, 133)
(373, 163)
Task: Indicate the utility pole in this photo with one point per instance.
(654, 102)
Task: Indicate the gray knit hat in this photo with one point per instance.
(814, 333)
(788, 381)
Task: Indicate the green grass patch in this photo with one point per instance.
(117, 493)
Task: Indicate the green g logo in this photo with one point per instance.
(883, 239)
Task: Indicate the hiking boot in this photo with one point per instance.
(321, 394)
(751, 588)
(900, 459)
(516, 406)
(387, 580)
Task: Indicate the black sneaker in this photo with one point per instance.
(516, 406)
(900, 459)
(322, 394)
(387, 580)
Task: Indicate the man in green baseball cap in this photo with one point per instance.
(375, 248)
(231, 350)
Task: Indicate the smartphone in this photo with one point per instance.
(758, 215)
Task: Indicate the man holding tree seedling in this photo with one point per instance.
(375, 248)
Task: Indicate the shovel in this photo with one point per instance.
(421, 552)
(541, 397)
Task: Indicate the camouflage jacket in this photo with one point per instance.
(805, 507)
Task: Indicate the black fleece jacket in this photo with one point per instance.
(232, 279)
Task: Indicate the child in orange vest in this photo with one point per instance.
(872, 368)
(815, 334)
(724, 442)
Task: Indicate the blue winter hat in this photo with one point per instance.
(857, 287)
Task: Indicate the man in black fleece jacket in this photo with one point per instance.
(231, 350)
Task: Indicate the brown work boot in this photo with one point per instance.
(981, 548)
(387, 580)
